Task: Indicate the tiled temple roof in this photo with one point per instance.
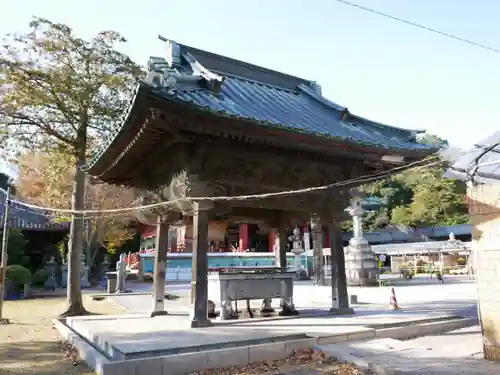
(239, 90)
(21, 217)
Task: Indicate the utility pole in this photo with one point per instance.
(3, 264)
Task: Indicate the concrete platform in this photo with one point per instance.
(131, 344)
(140, 337)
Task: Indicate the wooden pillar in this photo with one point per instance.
(305, 237)
(280, 251)
(140, 268)
(342, 276)
(340, 298)
(326, 237)
(160, 266)
(271, 238)
(317, 233)
(199, 283)
(173, 240)
(243, 237)
(333, 265)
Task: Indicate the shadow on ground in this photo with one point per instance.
(39, 357)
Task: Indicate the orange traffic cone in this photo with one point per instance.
(393, 305)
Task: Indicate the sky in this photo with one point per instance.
(379, 68)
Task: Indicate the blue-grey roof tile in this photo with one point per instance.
(300, 107)
(480, 164)
(293, 109)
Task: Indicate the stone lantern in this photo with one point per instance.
(121, 273)
(106, 263)
(84, 272)
(361, 263)
(297, 250)
(51, 268)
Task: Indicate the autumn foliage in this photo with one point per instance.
(46, 180)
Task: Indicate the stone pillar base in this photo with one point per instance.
(158, 313)
(344, 311)
(267, 307)
(361, 264)
(195, 323)
(288, 311)
(301, 276)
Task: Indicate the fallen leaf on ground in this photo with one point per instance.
(298, 359)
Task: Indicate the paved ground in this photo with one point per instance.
(31, 346)
(456, 296)
(452, 353)
(450, 298)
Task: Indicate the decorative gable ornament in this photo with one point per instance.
(168, 82)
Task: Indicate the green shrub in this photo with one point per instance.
(18, 274)
(429, 268)
(40, 277)
(25, 261)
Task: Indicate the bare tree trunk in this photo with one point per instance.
(76, 234)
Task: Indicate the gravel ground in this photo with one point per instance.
(30, 344)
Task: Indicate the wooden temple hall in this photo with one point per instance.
(205, 125)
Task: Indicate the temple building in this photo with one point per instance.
(206, 133)
(38, 228)
(242, 237)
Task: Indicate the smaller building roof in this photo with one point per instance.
(401, 234)
(480, 164)
(24, 218)
(372, 203)
(421, 247)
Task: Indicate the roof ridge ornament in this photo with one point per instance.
(213, 81)
(162, 76)
(173, 55)
(316, 87)
(314, 91)
(344, 114)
